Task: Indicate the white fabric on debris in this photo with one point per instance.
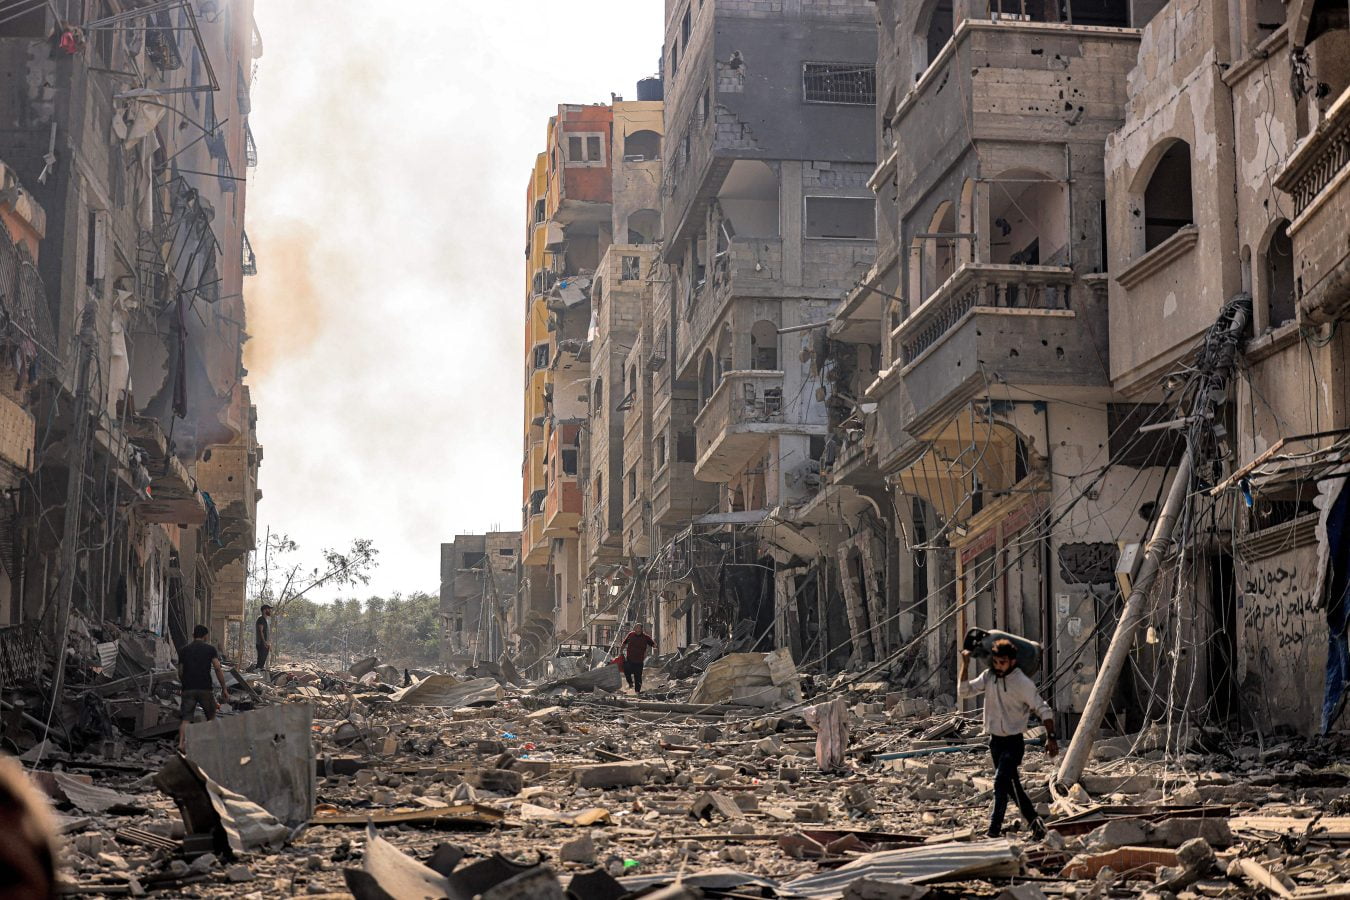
(830, 721)
(1008, 701)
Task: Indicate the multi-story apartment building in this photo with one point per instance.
(1226, 183)
(993, 407)
(479, 574)
(617, 434)
(768, 220)
(568, 231)
(130, 129)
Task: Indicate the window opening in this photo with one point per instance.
(1280, 277)
(1167, 199)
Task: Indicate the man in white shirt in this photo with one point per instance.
(1010, 697)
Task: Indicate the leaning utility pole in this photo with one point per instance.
(78, 449)
(1215, 363)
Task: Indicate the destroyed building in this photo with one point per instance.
(909, 351)
(479, 574)
(132, 455)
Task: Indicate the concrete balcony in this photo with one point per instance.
(738, 420)
(997, 324)
(562, 509)
(1318, 178)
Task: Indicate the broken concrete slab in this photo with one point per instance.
(611, 775)
(265, 755)
(750, 679)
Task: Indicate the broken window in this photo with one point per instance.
(1167, 198)
(937, 31)
(1323, 73)
(541, 356)
(1109, 13)
(686, 25)
(569, 462)
(686, 447)
(764, 345)
(1279, 275)
(632, 483)
(1028, 219)
(748, 199)
(659, 450)
(539, 211)
(641, 146)
(1130, 447)
(644, 226)
(851, 83)
(471, 559)
(630, 268)
(506, 551)
(841, 217)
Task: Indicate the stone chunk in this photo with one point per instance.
(711, 802)
(500, 781)
(609, 775)
(581, 850)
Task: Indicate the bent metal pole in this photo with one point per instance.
(1075, 758)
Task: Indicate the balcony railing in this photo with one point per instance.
(250, 147)
(1322, 157)
(978, 286)
(250, 261)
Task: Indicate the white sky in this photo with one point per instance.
(388, 215)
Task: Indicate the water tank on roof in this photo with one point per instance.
(651, 89)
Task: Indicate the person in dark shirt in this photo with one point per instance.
(195, 662)
(262, 634)
(634, 648)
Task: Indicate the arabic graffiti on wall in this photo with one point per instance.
(1283, 637)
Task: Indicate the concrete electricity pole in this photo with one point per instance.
(1215, 362)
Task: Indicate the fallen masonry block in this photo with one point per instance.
(579, 850)
(608, 775)
(500, 781)
(711, 802)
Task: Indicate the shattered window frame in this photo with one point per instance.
(840, 83)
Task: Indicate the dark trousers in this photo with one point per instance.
(1008, 752)
(633, 672)
(262, 657)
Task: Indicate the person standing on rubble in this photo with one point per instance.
(262, 635)
(1010, 697)
(195, 662)
(634, 649)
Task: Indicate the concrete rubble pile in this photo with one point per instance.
(377, 783)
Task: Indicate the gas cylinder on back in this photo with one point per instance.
(980, 643)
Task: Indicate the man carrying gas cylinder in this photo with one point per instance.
(1010, 697)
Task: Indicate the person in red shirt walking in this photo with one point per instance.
(634, 649)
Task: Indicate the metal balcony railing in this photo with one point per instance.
(250, 263)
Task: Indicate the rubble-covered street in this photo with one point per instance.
(860, 449)
(458, 786)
